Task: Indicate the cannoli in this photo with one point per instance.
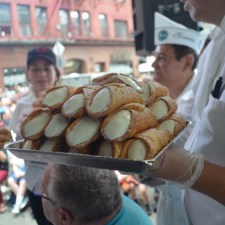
(87, 89)
(74, 107)
(118, 78)
(163, 107)
(175, 123)
(108, 149)
(33, 144)
(33, 126)
(83, 131)
(146, 145)
(86, 150)
(5, 136)
(152, 90)
(37, 104)
(109, 98)
(56, 96)
(127, 121)
(54, 145)
(56, 126)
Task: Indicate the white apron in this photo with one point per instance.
(208, 136)
(170, 206)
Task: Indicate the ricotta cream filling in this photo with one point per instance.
(159, 108)
(73, 104)
(101, 100)
(146, 92)
(83, 131)
(137, 150)
(48, 145)
(56, 125)
(27, 144)
(35, 125)
(117, 125)
(55, 97)
(168, 125)
(130, 82)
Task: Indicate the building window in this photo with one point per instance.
(41, 19)
(5, 20)
(86, 23)
(117, 67)
(73, 66)
(121, 30)
(75, 19)
(14, 76)
(100, 67)
(24, 20)
(64, 22)
(104, 24)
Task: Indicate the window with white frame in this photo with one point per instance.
(24, 20)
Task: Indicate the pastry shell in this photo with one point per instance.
(127, 121)
(109, 98)
(150, 142)
(118, 78)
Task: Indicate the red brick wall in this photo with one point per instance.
(92, 49)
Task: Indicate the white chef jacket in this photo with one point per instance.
(23, 108)
(34, 170)
(171, 209)
(208, 134)
(185, 103)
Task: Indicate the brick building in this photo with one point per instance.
(97, 35)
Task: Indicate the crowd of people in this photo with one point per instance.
(12, 169)
(8, 98)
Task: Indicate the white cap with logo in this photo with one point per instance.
(168, 31)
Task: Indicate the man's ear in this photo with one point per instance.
(189, 61)
(64, 216)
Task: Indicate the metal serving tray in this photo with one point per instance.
(102, 162)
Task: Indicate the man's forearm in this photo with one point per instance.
(212, 182)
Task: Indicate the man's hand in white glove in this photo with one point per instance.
(176, 165)
(189, 170)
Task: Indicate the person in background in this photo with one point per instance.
(176, 60)
(174, 67)
(5, 136)
(129, 184)
(203, 167)
(90, 197)
(42, 74)
(3, 177)
(16, 181)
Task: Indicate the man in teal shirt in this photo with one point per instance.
(130, 213)
(73, 195)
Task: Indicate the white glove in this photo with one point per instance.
(176, 165)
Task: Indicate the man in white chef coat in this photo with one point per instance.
(174, 67)
(207, 138)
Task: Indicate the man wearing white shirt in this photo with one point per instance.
(207, 138)
(174, 67)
